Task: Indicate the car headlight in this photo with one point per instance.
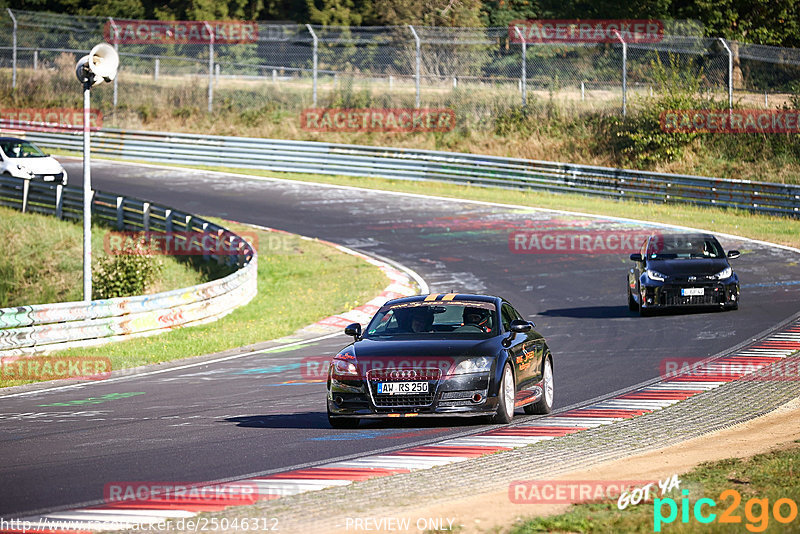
(344, 368)
(724, 273)
(655, 275)
(473, 365)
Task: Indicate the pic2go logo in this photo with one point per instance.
(756, 511)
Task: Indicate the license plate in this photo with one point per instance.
(693, 292)
(402, 388)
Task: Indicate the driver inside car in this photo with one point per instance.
(477, 317)
(421, 320)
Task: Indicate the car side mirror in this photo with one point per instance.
(636, 257)
(517, 326)
(733, 254)
(354, 330)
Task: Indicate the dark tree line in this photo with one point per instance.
(774, 22)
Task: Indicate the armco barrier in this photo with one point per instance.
(411, 164)
(45, 327)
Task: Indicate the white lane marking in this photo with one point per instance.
(677, 386)
(278, 482)
(699, 383)
(495, 441)
(634, 404)
(768, 353)
(295, 486)
(177, 368)
(397, 462)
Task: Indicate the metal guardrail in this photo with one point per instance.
(46, 327)
(411, 164)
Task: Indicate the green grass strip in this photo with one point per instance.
(766, 477)
(299, 282)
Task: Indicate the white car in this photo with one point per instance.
(23, 159)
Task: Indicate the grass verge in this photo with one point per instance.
(765, 478)
(41, 261)
(299, 282)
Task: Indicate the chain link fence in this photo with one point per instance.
(289, 67)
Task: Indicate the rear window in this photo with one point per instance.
(458, 318)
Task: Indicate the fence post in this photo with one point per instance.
(115, 29)
(730, 72)
(416, 73)
(59, 201)
(315, 59)
(210, 65)
(156, 68)
(524, 77)
(13, 50)
(146, 216)
(624, 73)
(26, 186)
(120, 213)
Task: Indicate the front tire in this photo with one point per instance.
(545, 404)
(632, 304)
(506, 395)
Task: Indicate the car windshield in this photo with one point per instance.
(663, 247)
(460, 317)
(13, 148)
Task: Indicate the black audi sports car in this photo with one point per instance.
(674, 270)
(441, 354)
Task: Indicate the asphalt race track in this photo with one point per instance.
(258, 413)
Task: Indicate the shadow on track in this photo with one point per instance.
(590, 312)
(319, 420)
(621, 312)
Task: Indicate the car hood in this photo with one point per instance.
(433, 352)
(46, 165)
(696, 267)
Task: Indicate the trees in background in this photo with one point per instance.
(773, 22)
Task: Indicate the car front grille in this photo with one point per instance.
(426, 374)
(672, 297)
(393, 401)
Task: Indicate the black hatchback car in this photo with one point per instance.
(681, 270)
(441, 355)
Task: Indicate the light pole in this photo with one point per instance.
(99, 66)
